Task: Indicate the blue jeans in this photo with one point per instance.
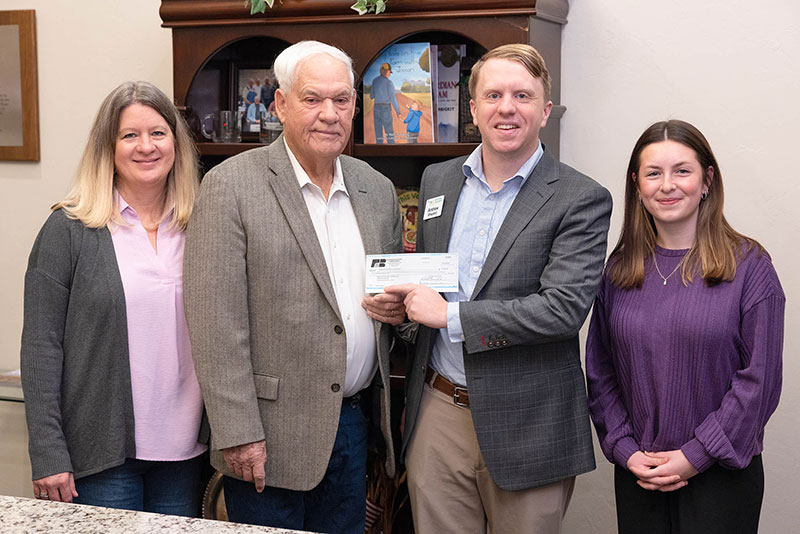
(336, 505)
(382, 118)
(160, 487)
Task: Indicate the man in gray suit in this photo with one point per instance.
(274, 278)
(496, 424)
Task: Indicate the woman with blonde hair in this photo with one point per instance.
(112, 402)
(684, 352)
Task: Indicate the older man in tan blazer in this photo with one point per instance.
(273, 278)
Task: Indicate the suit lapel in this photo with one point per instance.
(530, 199)
(437, 230)
(287, 190)
(358, 190)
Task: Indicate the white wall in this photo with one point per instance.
(85, 49)
(730, 68)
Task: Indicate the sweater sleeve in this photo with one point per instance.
(46, 299)
(606, 406)
(732, 434)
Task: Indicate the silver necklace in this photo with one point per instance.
(665, 278)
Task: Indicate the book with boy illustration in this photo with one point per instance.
(397, 96)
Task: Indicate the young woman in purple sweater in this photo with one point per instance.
(684, 352)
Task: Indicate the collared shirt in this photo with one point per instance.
(253, 110)
(478, 217)
(167, 405)
(340, 240)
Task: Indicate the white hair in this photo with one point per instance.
(289, 60)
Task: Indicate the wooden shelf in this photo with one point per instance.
(188, 13)
(416, 150)
(210, 38)
(225, 149)
(435, 150)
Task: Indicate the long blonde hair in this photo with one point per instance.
(717, 248)
(91, 198)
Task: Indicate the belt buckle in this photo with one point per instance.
(456, 390)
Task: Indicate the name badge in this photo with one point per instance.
(433, 207)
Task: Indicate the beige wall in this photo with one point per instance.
(728, 66)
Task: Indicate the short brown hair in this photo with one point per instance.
(526, 55)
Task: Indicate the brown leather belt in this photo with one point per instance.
(460, 394)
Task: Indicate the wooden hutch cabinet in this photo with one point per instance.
(211, 37)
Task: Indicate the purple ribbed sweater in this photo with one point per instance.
(694, 368)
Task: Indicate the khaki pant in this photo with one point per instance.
(451, 489)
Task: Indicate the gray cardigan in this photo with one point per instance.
(75, 364)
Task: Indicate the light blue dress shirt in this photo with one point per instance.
(253, 110)
(479, 215)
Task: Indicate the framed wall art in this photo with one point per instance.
(19, 88)
(253, 92)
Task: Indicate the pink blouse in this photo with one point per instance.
(167, 404)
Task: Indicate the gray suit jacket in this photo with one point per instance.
(266, 333)
(521, 353)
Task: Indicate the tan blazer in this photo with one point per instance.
(266, 333)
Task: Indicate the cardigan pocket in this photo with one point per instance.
(266, 386)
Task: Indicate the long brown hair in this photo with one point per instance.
(717, 248)
(91, 199)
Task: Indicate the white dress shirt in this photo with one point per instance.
(340, 240)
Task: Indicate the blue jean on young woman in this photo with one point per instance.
(148, 486)
(337, 504)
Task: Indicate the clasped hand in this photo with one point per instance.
(422, 304)
(661, 471)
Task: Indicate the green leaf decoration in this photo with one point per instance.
(362, 7)
(259, 6)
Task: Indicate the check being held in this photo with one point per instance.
(437, 271)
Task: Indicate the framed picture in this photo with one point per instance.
(19, 88)
(253, 91)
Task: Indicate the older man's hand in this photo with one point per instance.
(247, 461)
(385, 307)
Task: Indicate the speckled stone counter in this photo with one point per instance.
(18, 515)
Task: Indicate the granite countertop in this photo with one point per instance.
(20, 515)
